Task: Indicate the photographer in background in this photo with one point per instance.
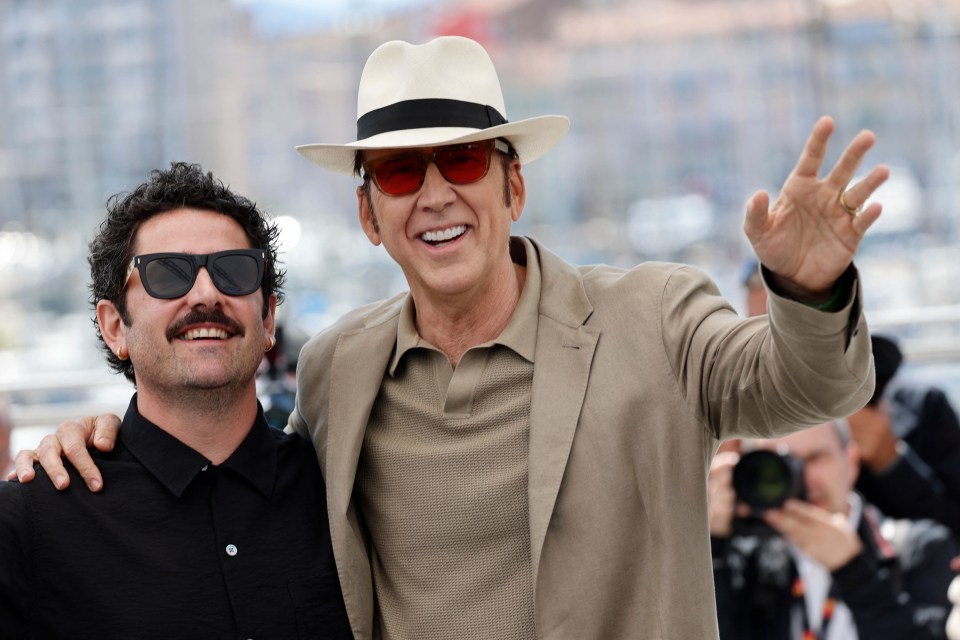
(818, 567)
(909, 441)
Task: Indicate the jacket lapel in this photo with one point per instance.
(564, 354)
(357, 370)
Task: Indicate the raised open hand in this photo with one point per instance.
(808, 237)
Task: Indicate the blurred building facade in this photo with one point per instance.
(680, 110)
(94, 94)
(669, 99)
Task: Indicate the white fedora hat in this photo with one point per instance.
(443, 92)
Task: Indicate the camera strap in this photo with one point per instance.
(798, 592)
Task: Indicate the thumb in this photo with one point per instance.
(103, 430)
(756, 217)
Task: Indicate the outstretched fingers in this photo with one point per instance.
(855, 197)
(849, 161)
(865, 219)
(815, 149)
(857, 194)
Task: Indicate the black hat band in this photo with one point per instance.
(425, 113)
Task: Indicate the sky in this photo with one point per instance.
(289, 15)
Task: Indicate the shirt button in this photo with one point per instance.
(205, 467)
(231, 549)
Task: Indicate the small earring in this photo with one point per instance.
(122, 352)
(271, 343)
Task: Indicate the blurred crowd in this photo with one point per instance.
(847, 530)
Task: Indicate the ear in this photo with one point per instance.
(111, 325)
(368, 218)
(518, 190)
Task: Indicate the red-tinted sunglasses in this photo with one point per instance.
(404, 173)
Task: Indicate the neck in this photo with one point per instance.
(212, 422)
(456, 325)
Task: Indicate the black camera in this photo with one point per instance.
(765, 479)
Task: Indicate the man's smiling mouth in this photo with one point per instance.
(205, 333)
(439, 238)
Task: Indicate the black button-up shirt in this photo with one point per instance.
(174, 546)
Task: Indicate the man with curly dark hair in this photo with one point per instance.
(216, 521)
(182, 185)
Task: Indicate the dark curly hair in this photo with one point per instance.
(182, 185)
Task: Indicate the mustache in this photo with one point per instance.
(201, 316)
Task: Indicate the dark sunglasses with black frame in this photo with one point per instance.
(403, 173)
(235, 272)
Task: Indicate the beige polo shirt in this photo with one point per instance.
(442, 482)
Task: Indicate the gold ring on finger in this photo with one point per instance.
(851, 210)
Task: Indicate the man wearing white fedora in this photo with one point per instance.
(518, 447)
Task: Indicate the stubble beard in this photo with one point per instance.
(191, 384)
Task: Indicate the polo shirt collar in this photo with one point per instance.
(175, 465)
(520, 334)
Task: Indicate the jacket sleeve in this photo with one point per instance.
(15, 578)
(765, 376)
(909, 601)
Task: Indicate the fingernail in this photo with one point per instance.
(95, 485)
(20, 475)
(60, 482)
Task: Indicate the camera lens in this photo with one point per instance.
(764, 479)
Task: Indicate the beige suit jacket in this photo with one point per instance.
(638, 374)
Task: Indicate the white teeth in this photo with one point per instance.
(196, 334)
(446, 234)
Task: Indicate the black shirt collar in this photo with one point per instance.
(175, 464)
